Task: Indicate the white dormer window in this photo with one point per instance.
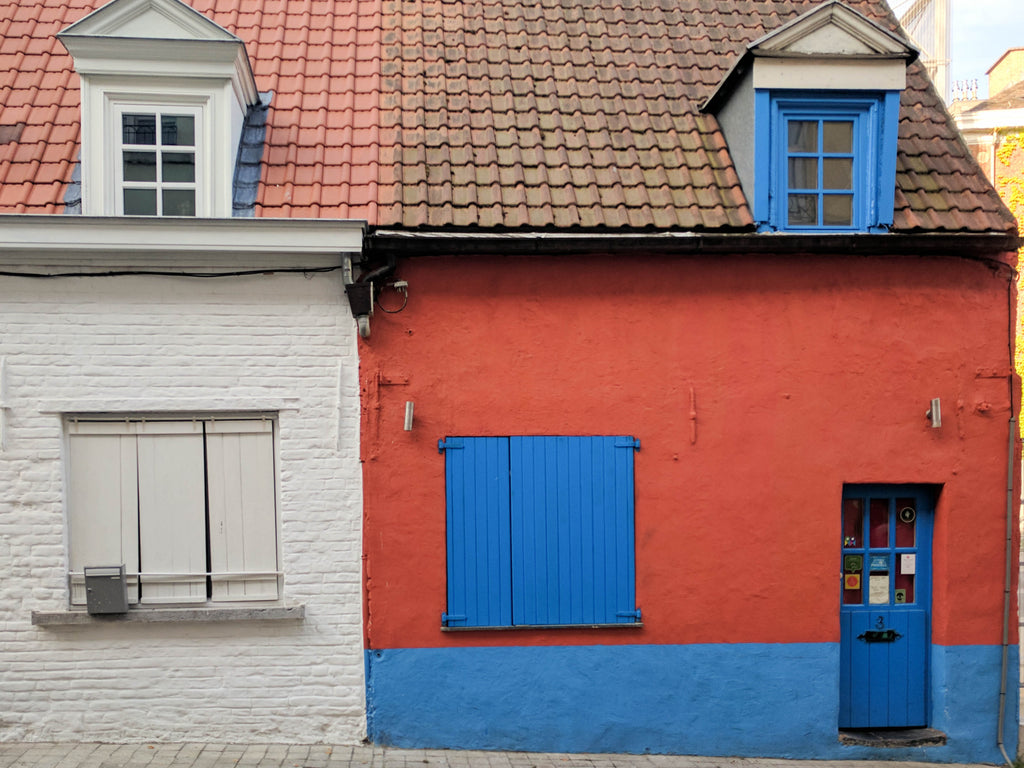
(165, 92)
(157, 161)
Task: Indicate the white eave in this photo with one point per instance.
(990, 119)
(59, 239)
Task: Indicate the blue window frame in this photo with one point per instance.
(539, 531)
(826, 161)
(821, 177)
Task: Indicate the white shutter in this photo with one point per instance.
(243, 520)
(102, 504)
(172, 512)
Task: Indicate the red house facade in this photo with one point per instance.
(671, 442)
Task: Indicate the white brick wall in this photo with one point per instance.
(278, 342)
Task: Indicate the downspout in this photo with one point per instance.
(1008, 582)
(1006, 586)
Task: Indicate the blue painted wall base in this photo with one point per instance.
(768, 700)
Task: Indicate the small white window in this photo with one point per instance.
(157, 161)
(187, 506)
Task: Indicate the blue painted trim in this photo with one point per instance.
(762, 160)
(744, 699)
(876, 118)
(889, 138)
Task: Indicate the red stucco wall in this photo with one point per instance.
(806, 372)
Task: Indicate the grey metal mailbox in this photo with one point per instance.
(106, 590)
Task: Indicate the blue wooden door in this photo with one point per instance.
(886, 606)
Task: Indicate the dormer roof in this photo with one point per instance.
(159, 38)
(152, 19)
(833, 29)
(831, 46)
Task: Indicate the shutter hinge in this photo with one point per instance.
(449, 444)
(448, 618)
(627, 442)
(635, 615)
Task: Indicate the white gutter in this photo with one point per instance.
(70, 239)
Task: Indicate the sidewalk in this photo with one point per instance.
(192, 755)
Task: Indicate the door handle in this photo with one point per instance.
(879, 635)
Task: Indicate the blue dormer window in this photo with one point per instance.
(830, 163)
(811, 114)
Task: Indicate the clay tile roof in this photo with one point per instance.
(319, 58)
(586, 114)
(482, 113)
(1011, 97)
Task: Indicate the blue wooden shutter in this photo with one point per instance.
(572, 530)
(479, 569)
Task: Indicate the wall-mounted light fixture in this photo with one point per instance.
(408, 416)
(934, 413)
(362, 291)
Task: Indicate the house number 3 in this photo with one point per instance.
(880, 623)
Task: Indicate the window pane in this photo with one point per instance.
(138, 129)
(803, 210)
(179, 202)
(904, 586)
(853, 522)
(838, 210)
(838, 136)
(140, 202)
(879, 523)
(906, 520)
(803, 173)
(140, 166)
(838, 173)
(179, 166)
(178, 130)
(803, 135)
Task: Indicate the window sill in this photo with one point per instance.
(155, 615)
(525, 627)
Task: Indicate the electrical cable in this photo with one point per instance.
(171, 273)
(382, 308)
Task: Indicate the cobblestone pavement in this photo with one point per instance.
(52, 755)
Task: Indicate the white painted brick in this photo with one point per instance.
(188, 345)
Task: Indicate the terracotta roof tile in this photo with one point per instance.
(492, 113)
(294, 48)
(611, 92)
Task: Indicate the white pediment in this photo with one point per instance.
(149, 19)
(833, 29)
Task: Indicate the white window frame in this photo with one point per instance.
(198, 151)
(104, 100)
(187, 505)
